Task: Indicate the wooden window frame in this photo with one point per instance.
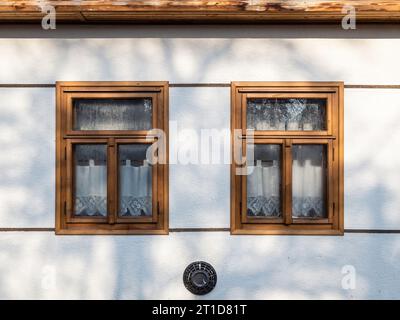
(332, 137)
(66, 137)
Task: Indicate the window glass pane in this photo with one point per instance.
(286, 114)
(90, 178)
(113, 114)
(264, 181)
(309, 181)
(135, 181)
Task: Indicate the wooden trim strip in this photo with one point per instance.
(199, 229)
(371, 86)
(180, 230)
(200, 85)
(213, 85)
(27, 229)
(384, 231)
(27, 85)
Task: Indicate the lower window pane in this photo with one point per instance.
(90, 178)
(309, 181)
(264, 181)
(135, 181)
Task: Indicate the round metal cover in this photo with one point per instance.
(199, 277)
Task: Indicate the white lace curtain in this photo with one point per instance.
(91, 189)
(135, 190)
(308, 183)
(263, 189)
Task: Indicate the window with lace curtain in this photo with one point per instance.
(109, 178)
(290, 141)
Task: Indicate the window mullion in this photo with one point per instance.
(329, 181)
(156, 193)
(68, 184)
(112, 185)
(244, 164)
(287, 178)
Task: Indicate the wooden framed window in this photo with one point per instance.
(112, 165)
(288, 175)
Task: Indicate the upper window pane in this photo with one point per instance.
(112, 114)
(309, 181)
(135, 181)
(264, 181)
(282, 114)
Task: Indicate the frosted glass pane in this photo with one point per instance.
(90, 180)
(286, 114)
(135, 181)
(113, 114)
(309, 181)
(264, 181)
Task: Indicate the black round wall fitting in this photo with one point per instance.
(199, 277)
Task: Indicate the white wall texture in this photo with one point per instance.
(42, 265)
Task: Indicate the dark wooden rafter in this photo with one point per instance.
(200, 11)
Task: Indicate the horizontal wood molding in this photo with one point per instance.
(201, 11)
(172, 230)
(27, 85)
(27, 229)
(200, 85)
(371, 231)
(371, 86)
(199, 230)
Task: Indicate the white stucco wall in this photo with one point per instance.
(247, 266)
(41, 265)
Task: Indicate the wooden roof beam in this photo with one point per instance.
(200, 11)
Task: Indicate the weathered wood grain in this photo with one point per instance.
(199, 11)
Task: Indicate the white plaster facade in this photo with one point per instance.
(42, 265)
